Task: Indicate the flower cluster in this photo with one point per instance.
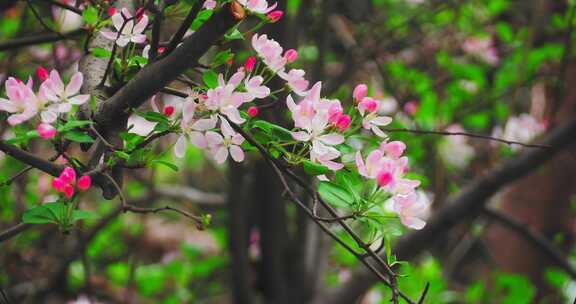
(52, 99)
(387, 166)
(522, 128)
(67, 180)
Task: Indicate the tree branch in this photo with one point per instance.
(38, 39)
(30, 159)
(537, 239)
(466, 204)
(13, 231)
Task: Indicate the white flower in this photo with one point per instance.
(130, 32)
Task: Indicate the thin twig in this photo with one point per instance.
(183, 27)
(39, 18)
(39, 39)
(473, 135)
(13, 231)
(65, 6)
(424, 293)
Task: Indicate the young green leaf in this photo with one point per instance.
(210, 78)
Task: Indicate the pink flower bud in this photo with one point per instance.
(291, 55)
(58, 184)
(252, 111)
(250, 64)
(360, 91)
(68, 175)
(139, 13)
(411, 107)
(230, 60)
(46, 131)
(276, 15)
(111, 11)
(168, 110)
(84, 182)
(68, 190)
(42, 73)
(384, 178)
(343, 122)
(368, 104)
(394, 148)
(161, 50)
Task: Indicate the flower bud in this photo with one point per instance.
(343, 122)
(252, 111)
(84, 182)
(360, 91)
(168, 110)
(42, 73)
(384, 178)
(291, 55)
(111, 11)
(411, 107)
(238, 10)
(275, 16)
(250, 64)
(46, 131)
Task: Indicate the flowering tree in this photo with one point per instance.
(144, 96)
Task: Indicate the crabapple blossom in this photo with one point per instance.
(193, 129)
(66, 20)
(46, 131)
(127, 30)
(225, 100)
(22, 103)
(226, 143)
(522, 128)
(255, 89)
(295, 80)
(270, 51)
(42, 73)
(455, 150)
(368, 108)
(84, 182)
(258, 6)
(482, 48)
(412, 208)
(62, 97)
(291, 55)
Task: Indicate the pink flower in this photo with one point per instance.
(275, 16)
(41, 73)
(411, 107)
(257, 6)
(250, 64)
(131, 32)
(482, 48)
(224, 98)
(192, 129)
(84, 183)
(360, 91)
(209, 4)
(168, 110)
(394, 149)
(255, 88)
(384, 178)
(63, 97)
(252, 111)
(368, 108)
(22, 103)
(291, 55)
(296, 81)
(270, 51)
(46, 131)
(227, 143)
(412, 208)
(111, 11)
(372, 166)
(65, 20)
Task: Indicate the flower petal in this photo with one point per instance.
(75, 83)
(180, 147)
(236, 153)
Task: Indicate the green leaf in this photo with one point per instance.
(166, 164)
(334, 194)
(234, 35)
(122, 154)
(314, 168)
(210, 78)
(101, 53)
(274, 130)
(49, 213)
(153, 116)
(221, 58)
(73, 124)
(82, 215)
(201, 18)
(78, 137)
(90, 15)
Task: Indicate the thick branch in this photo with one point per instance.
(30, 159)
(155, 76)
(465, 205)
